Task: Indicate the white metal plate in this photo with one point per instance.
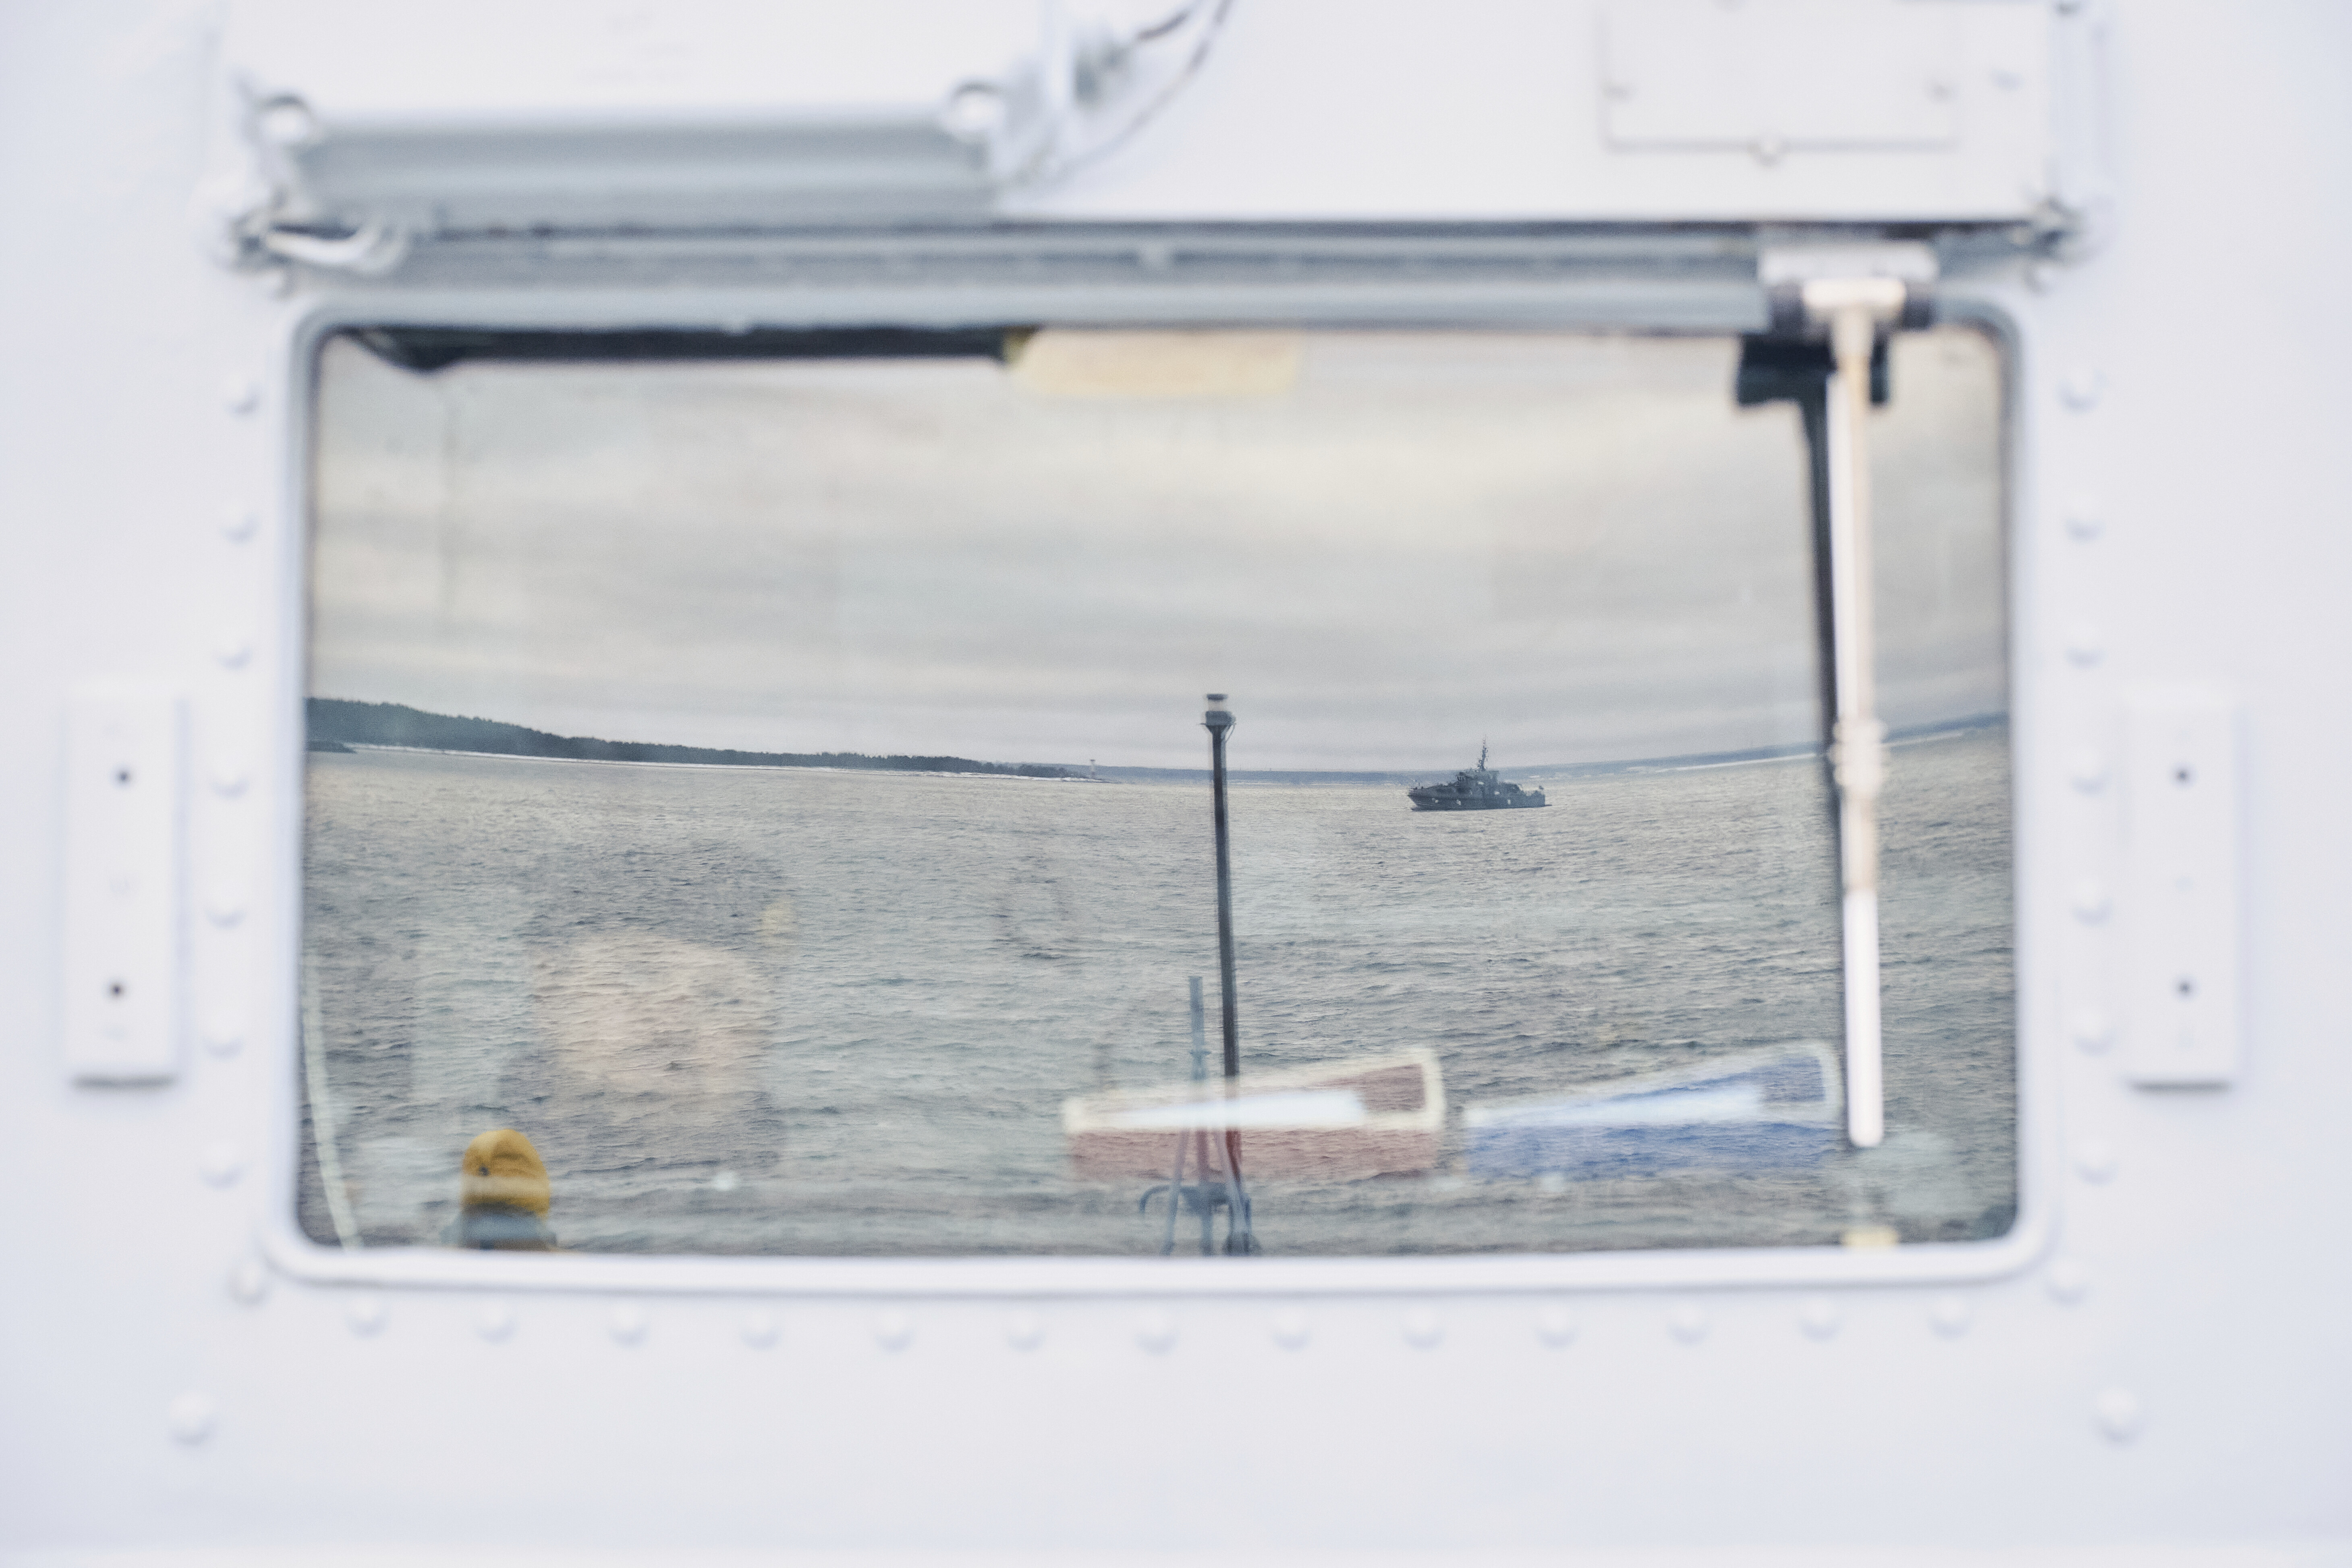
(1779, 74)
(122, 961)
(2180, 907)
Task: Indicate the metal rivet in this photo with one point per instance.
(1292, 1329)
(225, 907)
(2083, 648)
(1421, 1329)
(240, 393)
(249, 1282)
(1555, 1327)
(2119, 1414)
(220, 1164)
(224, 1039)
(2067, 1281)
(2093, 1032)
(627, 1324)
(1951, 1315)
(2090, 902)
(366, 1316)
(233, 649)
(2095, 1161)
(1769, 149)
(2085, 518)
(894, 1331)
(1155, 1332)
(1687, 1322)
(758, 1329)
(2082, 386)
(2088, 772)
(191, 1417)
(288, 123)
(229, 776)
(1819, 1318)
(1024, 1331)
(239, 523)
(494, 1322)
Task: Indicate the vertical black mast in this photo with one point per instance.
(1219, 723)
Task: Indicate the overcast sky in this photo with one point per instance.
(1386, 546)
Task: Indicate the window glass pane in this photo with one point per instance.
(775, 788)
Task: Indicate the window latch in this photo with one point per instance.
(1833, 308)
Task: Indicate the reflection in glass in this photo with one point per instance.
(773, 791)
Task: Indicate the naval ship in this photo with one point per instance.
(1473, 789)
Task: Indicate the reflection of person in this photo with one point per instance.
(503, 1196)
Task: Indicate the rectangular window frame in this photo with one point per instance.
(1433, 300)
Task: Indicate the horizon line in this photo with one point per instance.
(1905, 734)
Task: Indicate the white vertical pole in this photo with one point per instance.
(1857, 740)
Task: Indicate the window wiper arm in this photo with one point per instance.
(1845, 300)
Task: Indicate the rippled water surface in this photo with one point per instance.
(809, 1012)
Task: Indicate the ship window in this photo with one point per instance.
(758, 799)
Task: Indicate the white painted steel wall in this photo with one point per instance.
(2157, 1364)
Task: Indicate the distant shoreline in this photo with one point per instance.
(335, 722)
(338, 725)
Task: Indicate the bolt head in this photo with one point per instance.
(627, 1324)
(1292, 1329)
(288, 123)
(1819, 1318)
(366, 1315)
(1687, 1322)
(2095, 1161)
(191, 1417)
(758, 1330)
(1155, 1332)
(1422, 1330)
(1024, 1329)
(2118, 1414)
(2082, 386)
(220, 1165)
(894, 1331)
(495, 1321)
(249, 1282)
(1555, 1327)
(2092, 1031)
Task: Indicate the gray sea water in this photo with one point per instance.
(823, 1013)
